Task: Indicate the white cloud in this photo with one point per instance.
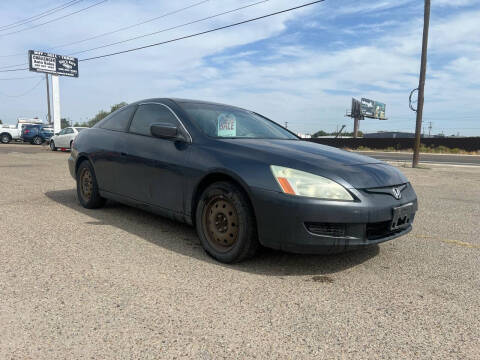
(286, 78)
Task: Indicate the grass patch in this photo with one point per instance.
(423, 149)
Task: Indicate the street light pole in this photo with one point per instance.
(421, 84)
(48, 101)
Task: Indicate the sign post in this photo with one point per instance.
(57, 65)
(57, 124)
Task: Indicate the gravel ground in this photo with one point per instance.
(119, 283)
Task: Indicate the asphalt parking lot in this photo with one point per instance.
(120, 283)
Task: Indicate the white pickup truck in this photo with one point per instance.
(14, 132)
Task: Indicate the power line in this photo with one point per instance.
(19, 78)
(39, 16)
(132, 25)
(11, 70)
(25, 93)
(144, 35)
(204, 32)
(193, 35)
(119, 29)
(10, 66)
(168, 29)
(55, 19)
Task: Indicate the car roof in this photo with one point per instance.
(180, 101)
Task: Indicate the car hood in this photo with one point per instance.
(347, 168)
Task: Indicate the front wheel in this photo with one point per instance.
(52, 146)
(5, 138)
(37, 140)
(87, 187)
(225, 223)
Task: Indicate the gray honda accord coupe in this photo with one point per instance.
(241, 179)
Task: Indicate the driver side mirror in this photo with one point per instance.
(164, 131)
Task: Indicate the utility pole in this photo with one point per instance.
(48, 101)
(429, 129)
(286, 124)
(421, 84)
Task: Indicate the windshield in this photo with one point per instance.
(222, 121)
(80, 129)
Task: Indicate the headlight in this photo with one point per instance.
(296, 182)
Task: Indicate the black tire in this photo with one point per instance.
(226, 224)
(5, 138)
(52, 146)
(71, 142)
(87, 187)
(37, 140)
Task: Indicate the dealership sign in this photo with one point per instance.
(52, 63)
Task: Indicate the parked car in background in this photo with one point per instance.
(14, 132)
(64, 138)
(36, 134)
(241, 179)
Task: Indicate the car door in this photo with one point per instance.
(60, 139)
(155, 168)
(108, 142)
(67, 137)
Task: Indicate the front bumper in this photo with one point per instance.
(306, 225)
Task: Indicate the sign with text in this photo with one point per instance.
(227, 125)
(373, 109)
(52, 63)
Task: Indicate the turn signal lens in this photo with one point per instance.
(300, 183)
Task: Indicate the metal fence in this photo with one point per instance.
(463, 143)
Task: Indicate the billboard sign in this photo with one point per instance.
(373, 109)
(52, 63)
(356, 109)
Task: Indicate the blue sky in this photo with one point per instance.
(302, 67)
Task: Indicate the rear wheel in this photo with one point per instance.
(37, 140)
(5, 138)
(52, 146)
(87, 187)
(226, 224)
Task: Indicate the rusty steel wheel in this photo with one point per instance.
(86, 184)
(220, 221)
(225, 223)
(87, 188)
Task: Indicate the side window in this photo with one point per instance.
(148, 114)
(62, 132)
(68, 131)
(119, 119)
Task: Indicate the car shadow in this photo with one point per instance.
(183, 240)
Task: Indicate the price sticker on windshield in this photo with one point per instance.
(227, 125)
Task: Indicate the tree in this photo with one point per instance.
(64, 123)
(1, 121)
(102, 114)
(320, 133)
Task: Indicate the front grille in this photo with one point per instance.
(380, 230)
(326, 229)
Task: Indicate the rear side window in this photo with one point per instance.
(148, 114)
(118, 120)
